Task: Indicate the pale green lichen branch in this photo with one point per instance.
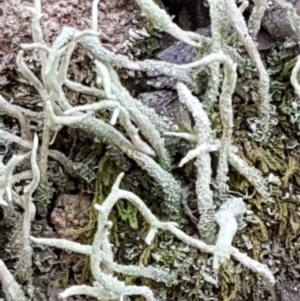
(152, 67)
(99, 94)
(29, 190)
(110, 79)
(92, 91)
(244, 5)
(6, 174)
(37, 33)
(64, 244)
(294, 76)
(219, 20)
(103, 78)
(8, 109)
(32, 79)
(238, 22)
(94, 292)
(256, 16)
(161, 20)
(98, 256)
(110, 135)
(112, 285)
(11, 288)
(145, 125)
(226, 114)
(25, 263)
(194, 153)
(186, 136)
(124, 118)
(202, 128)
(226, 218)
(252, 175)
(27, 113)
(205, 139)
(95, 15)
(55, 121)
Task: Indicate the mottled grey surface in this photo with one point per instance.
(166, 103)
(288, 292)
(276, 22)
(180, 52)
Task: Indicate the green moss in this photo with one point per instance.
(62, 279)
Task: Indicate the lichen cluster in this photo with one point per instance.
(118, 200)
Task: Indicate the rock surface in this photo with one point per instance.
(288, 292)
(277, 24)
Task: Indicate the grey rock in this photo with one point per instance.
(166, 104)
(180, 52)
(277, 24)
(288, 292)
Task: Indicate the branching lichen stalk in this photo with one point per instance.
(238, 22)
(219, 21)
(206, 207)
(294, 76)
(142, 141)
(25, 262)
(11, 288)
(226, 218)
(113, 285)
(226, 114)
(108, 134)
(256, 16)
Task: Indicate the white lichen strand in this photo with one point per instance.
(108, 134)
(256, 16)
(294, 77)
(103, 77)
(155, 14)
(238, 22)
(10, 286)
(149, 272)
(135, 118)
(99, 94)
(226, 114)
(26, 202)
(143, 122)
(112, 285)
(252, 174)
(123, 116)
(63, 244)
(97, 256)
(226, 218)
(219, 21)
(55, 92)
(206, 208)
(162, 21)
(6, 172)
(94, 292)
